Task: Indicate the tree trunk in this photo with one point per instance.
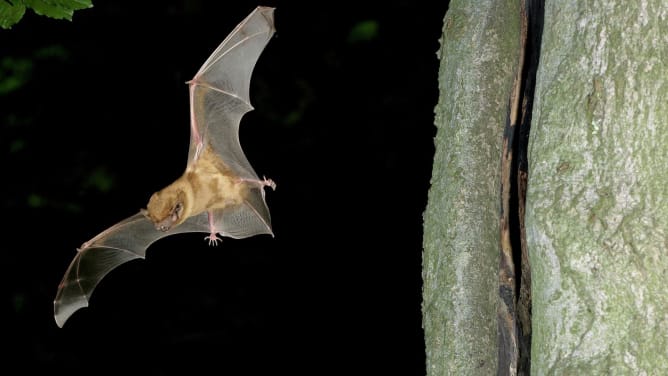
(479, 54)
(597, 202)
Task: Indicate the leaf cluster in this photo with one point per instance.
(11, 11)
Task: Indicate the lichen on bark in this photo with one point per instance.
(597, 203)
(479, 52)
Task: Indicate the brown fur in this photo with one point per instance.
(207, 184)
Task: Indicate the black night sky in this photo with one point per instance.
(94, 116)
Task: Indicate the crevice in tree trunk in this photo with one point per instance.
(535, 11)
(514, 315)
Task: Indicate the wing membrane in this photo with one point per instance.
(219, 92)
(123, 242)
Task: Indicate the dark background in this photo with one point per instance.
(94, 118)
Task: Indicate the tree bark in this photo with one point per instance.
(597, 202)
(479, 53)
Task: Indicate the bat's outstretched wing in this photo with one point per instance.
(123, 242)
(219, 92)
(128, 240)
(219, 97)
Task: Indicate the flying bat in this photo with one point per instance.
(219, 193)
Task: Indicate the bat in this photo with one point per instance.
(219, 193)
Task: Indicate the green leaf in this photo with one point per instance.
(363, 31)
(36, 201)
(100, 179)
(17, 145)
(54, 51)
(14, 73)
(10, 13)
(58, 9)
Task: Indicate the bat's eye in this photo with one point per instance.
(163, 228)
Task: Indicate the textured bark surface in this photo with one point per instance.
(479, 51)
(597, 203)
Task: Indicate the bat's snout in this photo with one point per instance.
(164, 225)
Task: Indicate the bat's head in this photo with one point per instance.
(166, 208)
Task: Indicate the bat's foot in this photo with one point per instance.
(261, 183)
(268, 183)
(213, 239)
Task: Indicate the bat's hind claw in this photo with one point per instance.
(268, 183)
(260, 183)
(213, 239)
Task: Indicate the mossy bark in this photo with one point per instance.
(597, 201)
(479, 54)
